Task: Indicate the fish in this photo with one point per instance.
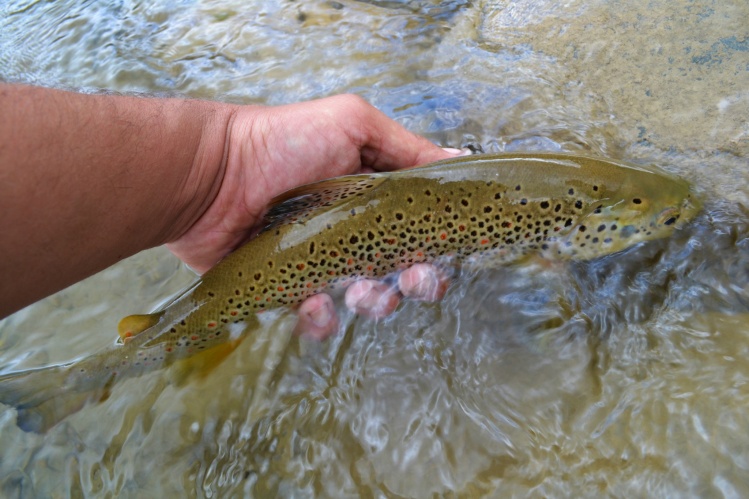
(474, 211)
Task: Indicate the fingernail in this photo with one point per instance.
(321, 317)
(457, 152)
(452, 150)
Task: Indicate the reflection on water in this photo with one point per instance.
(626, 376)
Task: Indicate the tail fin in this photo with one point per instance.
(40, 397)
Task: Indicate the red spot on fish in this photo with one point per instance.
(443, 236)
(233, 312)
(168, 349)
(369, 267)
(330, 272)
(420, 254)
(461, 228)
(280, 288)
(378, 255)
(300, 266)
(257, 298)
(211, 324)
(484, 241)
(556, 229)
(309, 284)
(428, 239)
(349, 262)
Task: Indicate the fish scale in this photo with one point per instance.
(479, 211)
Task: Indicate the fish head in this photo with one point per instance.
(650, 208)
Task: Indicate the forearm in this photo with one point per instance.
(86, 180)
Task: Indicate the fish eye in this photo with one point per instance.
(669, 216)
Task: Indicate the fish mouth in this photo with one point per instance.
(690, 207)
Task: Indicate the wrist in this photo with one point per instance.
(203, 178)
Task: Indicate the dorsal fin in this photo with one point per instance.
(296, 205)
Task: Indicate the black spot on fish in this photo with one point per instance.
(578, 204)
(464, 202)
(523, 201)
(544, 204)
(571, 192)
(517, 187)
(601, 228)
(637, 200)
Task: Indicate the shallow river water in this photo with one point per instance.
(626, 376)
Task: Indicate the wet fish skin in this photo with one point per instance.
(478, 210)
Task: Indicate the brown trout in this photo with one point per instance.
(478, 210)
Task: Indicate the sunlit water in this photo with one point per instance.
(625, 376)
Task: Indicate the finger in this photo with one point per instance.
(317, 318)
(384, 143)
(423, 281)
(372, 298)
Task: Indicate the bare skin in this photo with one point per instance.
(87, 180)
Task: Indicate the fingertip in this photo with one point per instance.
(372, 298)
(317, 318)
(423, 281)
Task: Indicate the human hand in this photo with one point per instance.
(272, 149)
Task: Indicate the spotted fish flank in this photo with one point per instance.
(479, 210)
